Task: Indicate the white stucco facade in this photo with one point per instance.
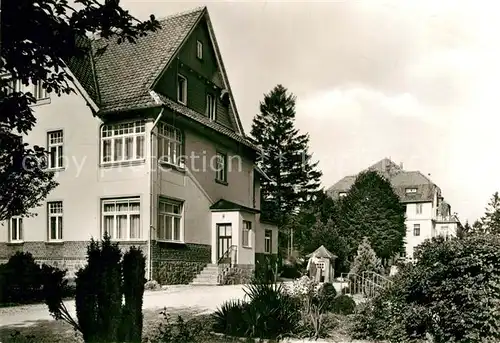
(423, 222)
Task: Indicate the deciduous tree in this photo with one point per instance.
(38, 38)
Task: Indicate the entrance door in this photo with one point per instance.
(224, 242)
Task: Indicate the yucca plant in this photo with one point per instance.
(270, 313)
(229, 318)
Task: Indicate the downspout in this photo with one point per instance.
(150, 258)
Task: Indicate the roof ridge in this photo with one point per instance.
(180, 14)
(159, 19)
(422, 174)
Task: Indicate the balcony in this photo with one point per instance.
(445, 219)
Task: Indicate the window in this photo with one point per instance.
(37, 90)
(411, 190)
(320, 265)
(170, 145)
(123, 142)
(419, 208)
(55, 214)
(121, 218)
(221, 167)
(211, 107)
(16, 229)
(268, 241)
(403, 254)
(199, 49)
(55, 149)
(247, 228)
(169, 221)
(416, 229)
(342, 194)
(444, 232)
(182, 89)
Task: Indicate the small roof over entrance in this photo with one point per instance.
(322, 252)
(223, 205)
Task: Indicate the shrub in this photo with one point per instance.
(196, 329)
(152, 285)
(449, 293)
(134, 266)
(327, 294)
(229, 318)
(22, 280)
(101, 287)
(291, 269)
(270, 313)
(175, 332)
(343, 304)
(366, 260)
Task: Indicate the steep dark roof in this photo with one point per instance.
(198, 117)
(400, 180)
(121, 76)
(226, 205)
(125, 71)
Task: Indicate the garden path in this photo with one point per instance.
(204, 298)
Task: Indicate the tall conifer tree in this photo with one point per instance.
(490, 222)
(285, 158)
(372, 209)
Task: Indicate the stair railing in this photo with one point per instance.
(230, 254)
(368, 284)
(226, 262)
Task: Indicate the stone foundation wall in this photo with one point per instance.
(239, 274)
(178, 263)
(70, 255)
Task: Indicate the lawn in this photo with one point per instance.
(45, 331)
(50, 331)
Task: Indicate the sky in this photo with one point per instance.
(415, 81)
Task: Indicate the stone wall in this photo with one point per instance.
(239, 274)
(178, 263)
(70, 255)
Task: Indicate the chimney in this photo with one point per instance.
(401, 165)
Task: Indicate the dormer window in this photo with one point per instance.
(211, 107)
(199, 50)
(182, 89)
(342, 194)
(411, 190)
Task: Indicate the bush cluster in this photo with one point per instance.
(22, 280)
(292, 269)
(269, 313)
(451, 293)
(109, 295)
(304, 309)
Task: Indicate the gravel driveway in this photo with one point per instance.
(205, 298)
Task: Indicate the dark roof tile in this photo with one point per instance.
(226, 205)
(186, 111)
(400, 181)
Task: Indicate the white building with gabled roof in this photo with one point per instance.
(427, 214)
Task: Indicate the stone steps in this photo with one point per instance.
(208, 276)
